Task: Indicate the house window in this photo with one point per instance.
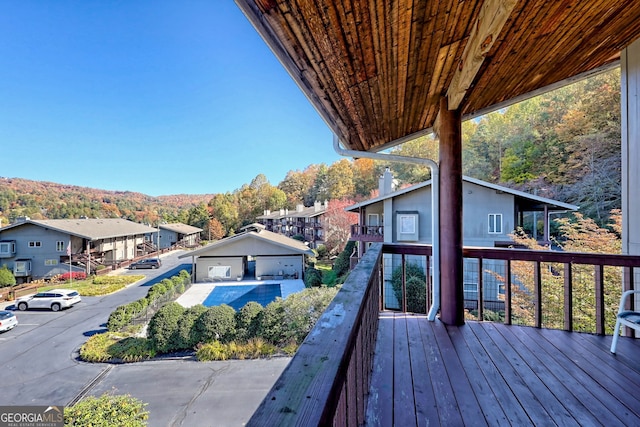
(7, 248)
(50, 262)
(470, 291)
(495, 223)
(35, 244)
(372, 220)
(59, 246)
(407, 226)
(219, 271)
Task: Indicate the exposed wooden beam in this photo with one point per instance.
(492, 17)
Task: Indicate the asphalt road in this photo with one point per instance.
(40, 366)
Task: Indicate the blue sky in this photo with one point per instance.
(159, 97)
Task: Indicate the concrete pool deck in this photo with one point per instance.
(198, 292)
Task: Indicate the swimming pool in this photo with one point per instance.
(237, 296)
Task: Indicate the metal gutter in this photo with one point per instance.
(435, 208)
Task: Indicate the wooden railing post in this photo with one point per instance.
(537, 286)
(568, 297)
(599, 289)
(507, 294)
(480, 291)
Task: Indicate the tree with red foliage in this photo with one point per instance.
(337, 225)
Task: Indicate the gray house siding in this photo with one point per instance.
(489, 216)
(42, 247)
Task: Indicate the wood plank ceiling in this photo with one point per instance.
(376, 69)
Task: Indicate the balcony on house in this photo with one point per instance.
(369, 361)
(367, 233)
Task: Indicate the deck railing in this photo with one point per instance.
(327, 381)
(367, 233)
(497, 265)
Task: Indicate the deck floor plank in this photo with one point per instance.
(379, 411)
(505, 398)
(484, 393)
(467, 402)
(492, 374)
(587, 408)
(445, 400)
(404, 413)
(426, 408)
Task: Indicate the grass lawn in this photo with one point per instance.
(99, 285)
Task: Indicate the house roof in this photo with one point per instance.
(530, 201)
(376, 71)
(305, 212)
(88, 228)
(181, 228)
(293, 245)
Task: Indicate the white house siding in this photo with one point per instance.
(248, 246)
(279, 265)
(203, 263)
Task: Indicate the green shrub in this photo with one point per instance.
(312, 277)
(163, 325)
(214, 350)
(96, 348)
(217, 323)
(290, 320)
(186, 277)
(6, 277)
(416, 295)
(252, 349)
(415, 301)
(272, 322)
(329, 278)
(118, 319)
(185, 336)
(322, 252)
(248, 320)
(343, 261)
(132, 349)
(107, 410)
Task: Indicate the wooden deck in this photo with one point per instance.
(427, 373)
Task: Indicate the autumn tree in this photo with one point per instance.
(424, 147)
(340, 180)
(214, 230)
(365, 176)
(579, 235)
(223, 208)
(298, 185)
(337, 225)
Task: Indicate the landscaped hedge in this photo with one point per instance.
(124, 314)
(107, 410)
(218, 332)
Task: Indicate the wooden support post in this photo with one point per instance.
(451, 263)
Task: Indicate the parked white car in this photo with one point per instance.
(55, 299)
(8, 320)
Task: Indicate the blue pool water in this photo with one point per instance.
(238, 295)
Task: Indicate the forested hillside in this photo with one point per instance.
(48, 200)
(563, 145)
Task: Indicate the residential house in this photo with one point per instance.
(253, 253)
(303, 221)
(175, 234)
(36, 249)
(490, 213)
